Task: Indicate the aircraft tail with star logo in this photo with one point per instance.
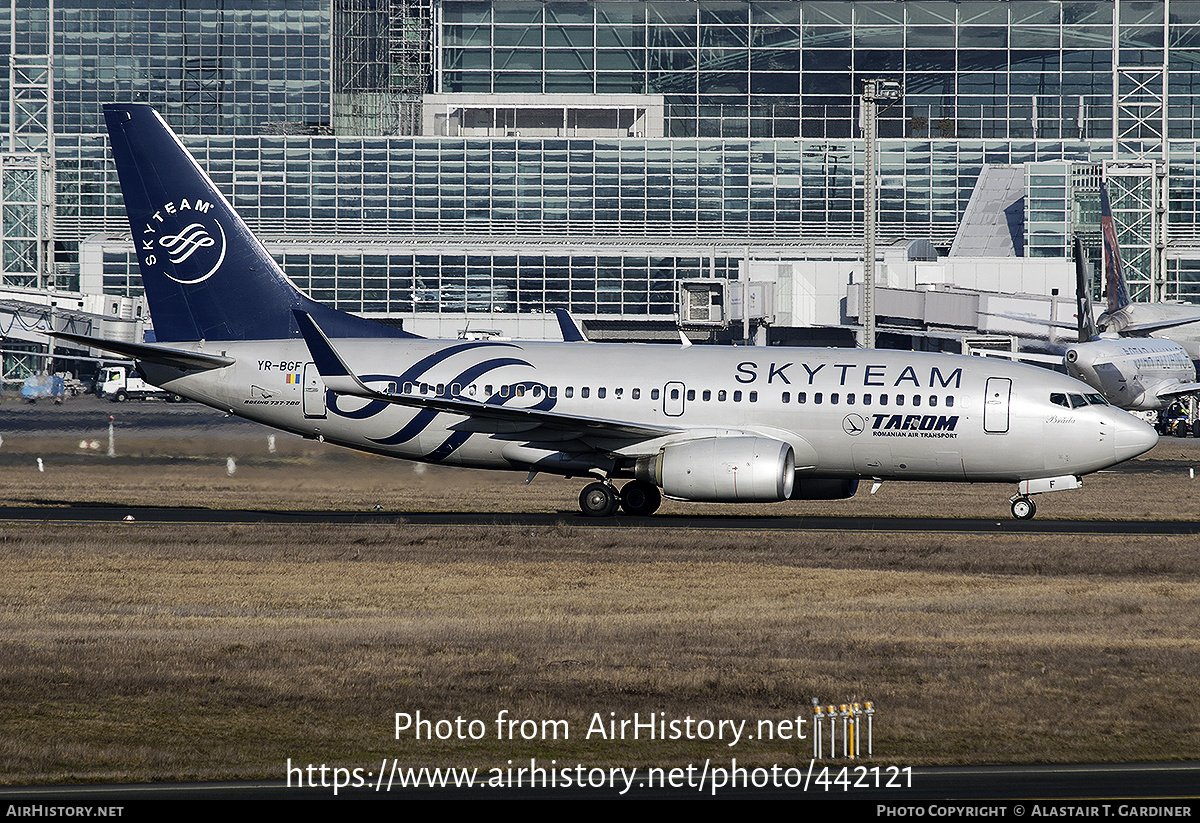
(205, 274)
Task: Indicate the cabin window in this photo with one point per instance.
(674, 394)
(833, 398)
(866, 399)
(950, 402)
(585, 391)
(654, 394)
(721, 395)
(916, 400)
(636, 394)
(933, 400)
(899, 400)
(488, 389)
(801, 397)
(707, 395)
(520, 390)
(691, 395)
(850, 399)
(424, 388)
(737, 397)
(408, 388)
(552, 391)
(504, 391)
(471, 389)
(817, 398)
(569, 391)
(601, 392)
(537, 391)
(883, 399)
(617, 392)
(786, 397)
(753, 397)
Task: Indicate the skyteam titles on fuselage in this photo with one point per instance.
(847, 374)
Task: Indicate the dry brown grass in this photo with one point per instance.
(139, 651)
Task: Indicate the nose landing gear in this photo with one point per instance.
(1023, 508)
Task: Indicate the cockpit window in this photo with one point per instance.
(1096, 399)
(1077, 401)
(1059, 400)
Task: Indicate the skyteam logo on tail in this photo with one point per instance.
(182, 233)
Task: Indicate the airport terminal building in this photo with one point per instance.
(449, 166)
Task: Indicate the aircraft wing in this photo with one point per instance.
(1035, 321)
(161, 355)
(1178, 390)
(1144, 329)
(339, 378)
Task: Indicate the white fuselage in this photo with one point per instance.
(845, 412)
(1131, 372)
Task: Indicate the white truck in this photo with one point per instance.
(119, 383)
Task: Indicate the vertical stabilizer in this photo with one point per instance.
(1114, 272)
(1083, 296)
(206, 276)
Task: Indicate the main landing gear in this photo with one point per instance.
(602, 500)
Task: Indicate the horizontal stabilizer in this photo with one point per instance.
(1144, 329)
(190, 360)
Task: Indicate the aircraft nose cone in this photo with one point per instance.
(1133, 436)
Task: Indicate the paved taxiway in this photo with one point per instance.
(183, 515)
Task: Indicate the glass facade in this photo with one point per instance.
(761, 147)
(211, 67)
(1009, 70)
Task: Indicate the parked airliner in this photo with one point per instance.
(698, 423)
(1142, 373)
(1129, 319)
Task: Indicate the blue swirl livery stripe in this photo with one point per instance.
(414, 427)
(416, 371)
(422, 420)
(426, 363)
(451, 443)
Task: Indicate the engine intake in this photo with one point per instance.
(743, 469)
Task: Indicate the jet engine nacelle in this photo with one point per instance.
(723, 470)
(823, 488)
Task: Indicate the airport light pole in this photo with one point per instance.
(874, 92)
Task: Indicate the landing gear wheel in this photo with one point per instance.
(1023, 508)
(598, 500)
(640, 498)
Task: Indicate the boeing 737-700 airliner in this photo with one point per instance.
(699, 423)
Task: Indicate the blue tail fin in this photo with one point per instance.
(1114, 274)
(206, 276)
